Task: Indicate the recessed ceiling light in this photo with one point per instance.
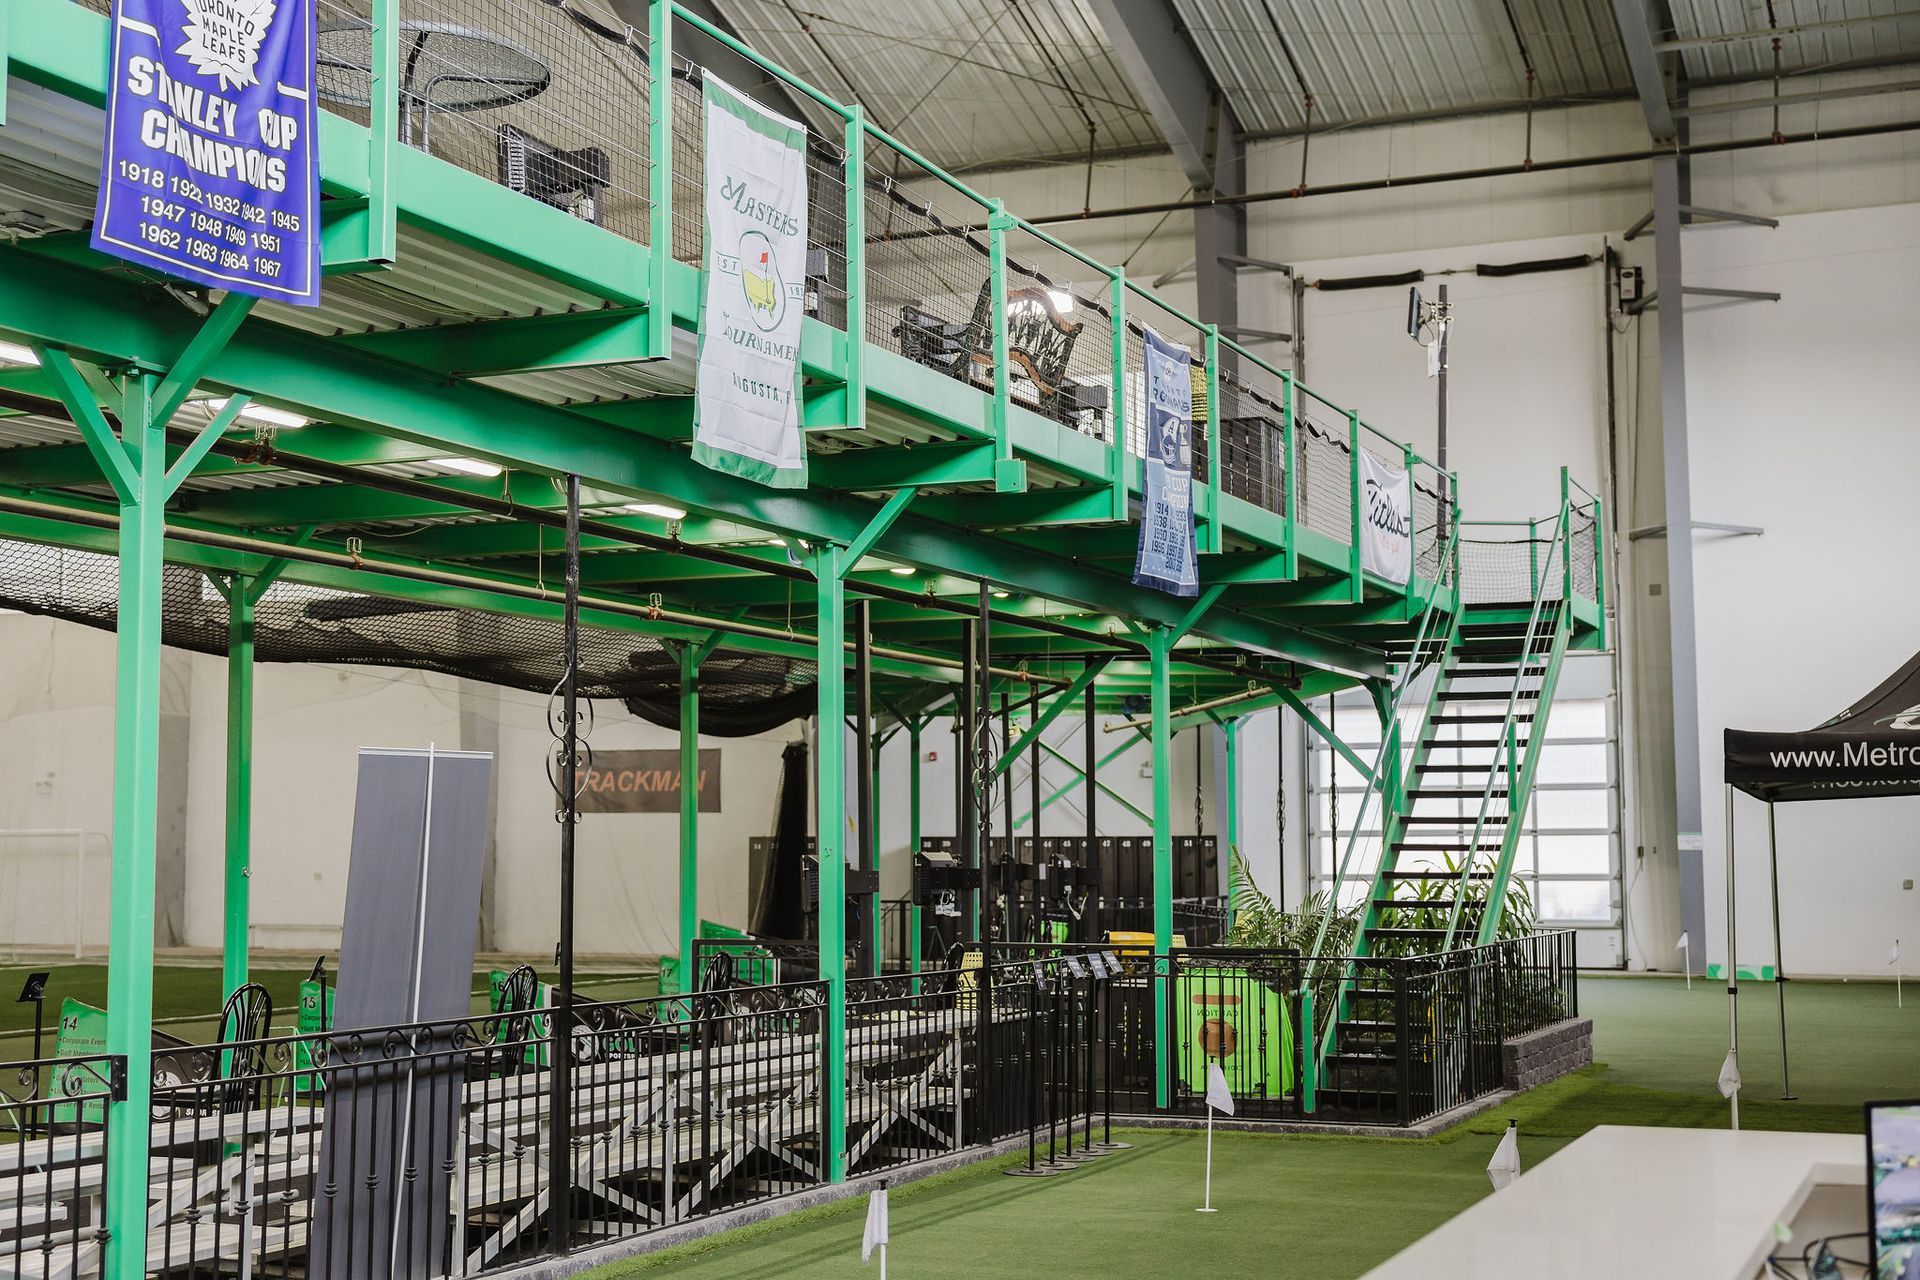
(467, 466)
(263, 414)
(1000, 595)
(655, 509)
(14, 353)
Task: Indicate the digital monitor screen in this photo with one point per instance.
(1893, 1188)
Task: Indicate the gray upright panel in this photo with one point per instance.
(406, 959)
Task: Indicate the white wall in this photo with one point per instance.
(1802, 420)
(56, 752)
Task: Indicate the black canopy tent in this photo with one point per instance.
(1870, 749)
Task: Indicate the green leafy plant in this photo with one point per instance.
(1258, 922)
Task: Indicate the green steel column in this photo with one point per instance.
(1232, 824)
(1290, 477)
(1160, 654)
(830, 784)
(239, 899)
(1357, 529)
(1216, 540)
(689, 811)
(660, 178)
(913, 844)
(1005, 468)
(1117, 412)
(383, 221)
(856, 219)
(136, 799)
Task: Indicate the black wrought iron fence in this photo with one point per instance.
(53, 1159)
(1238, 1009)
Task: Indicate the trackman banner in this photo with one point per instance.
(1166, 559)
(746, 409)
(211, 171)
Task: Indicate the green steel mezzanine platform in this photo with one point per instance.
(465, 320)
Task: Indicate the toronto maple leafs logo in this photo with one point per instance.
(223, 38)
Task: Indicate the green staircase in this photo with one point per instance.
(1455, 804)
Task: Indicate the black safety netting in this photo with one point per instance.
(740, 693)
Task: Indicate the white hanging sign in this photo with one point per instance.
(1386, 519)
(746, 416)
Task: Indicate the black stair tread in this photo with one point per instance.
(1441, 846)
(1435, 875)
(1450, 820)
(1429, 904)
(1475, 717)
(1368, 1024)
(1462, 742)
(1406, 933)
(1370, 993)
(1480, 695)
(1363, 1059)
(1451, 793)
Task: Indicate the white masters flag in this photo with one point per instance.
(876, 1233)
(1219, 1097)
(1505, 1165)
(1730, 1075)
(746, 410)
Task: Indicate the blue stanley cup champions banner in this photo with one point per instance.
(1166, 557)
(211, 169)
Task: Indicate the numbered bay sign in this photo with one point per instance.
(211, 168)
(1166, 559)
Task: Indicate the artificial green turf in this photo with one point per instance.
(193, 992)
(1296, 1205)
(1325, 1206)
(1847, 1042)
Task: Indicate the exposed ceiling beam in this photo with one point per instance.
(1785, 29)
(1638, 40)
(1168, 76)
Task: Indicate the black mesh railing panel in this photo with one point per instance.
(1252, 442)
(740, 692)
(1326, 469)
(927, 268)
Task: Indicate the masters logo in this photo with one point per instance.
(760, 281)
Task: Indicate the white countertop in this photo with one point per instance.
(1642, 1203)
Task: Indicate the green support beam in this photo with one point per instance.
(1160, 643)
(830, 805)
(1066, 698)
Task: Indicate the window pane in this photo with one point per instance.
(1567, 900)
(1576, 855)
(1561, 809)
(1580, 718)
(1573, 763)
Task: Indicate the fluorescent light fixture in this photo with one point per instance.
(262, 414)
(1000, 595)
(904, 570)
(1062, 300)
(14, 353)
(467, 466)
(774, 542)
(655, 509)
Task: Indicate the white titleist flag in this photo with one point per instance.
(876, 1233)
(1505, 1165)
(746, 412)
(1730, 1075)
(1219, 1097)
(1386, 522)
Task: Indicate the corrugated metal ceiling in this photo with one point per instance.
(1389, 58)
(1827, 46)
(963, 83)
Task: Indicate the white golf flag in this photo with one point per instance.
(876, 1233)
(1682, 944)
(1219, 1097)
(1505, 1165)
(1893, 957)
(1730, 1075)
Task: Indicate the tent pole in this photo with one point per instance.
(1779, 965)
(1733, 965)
